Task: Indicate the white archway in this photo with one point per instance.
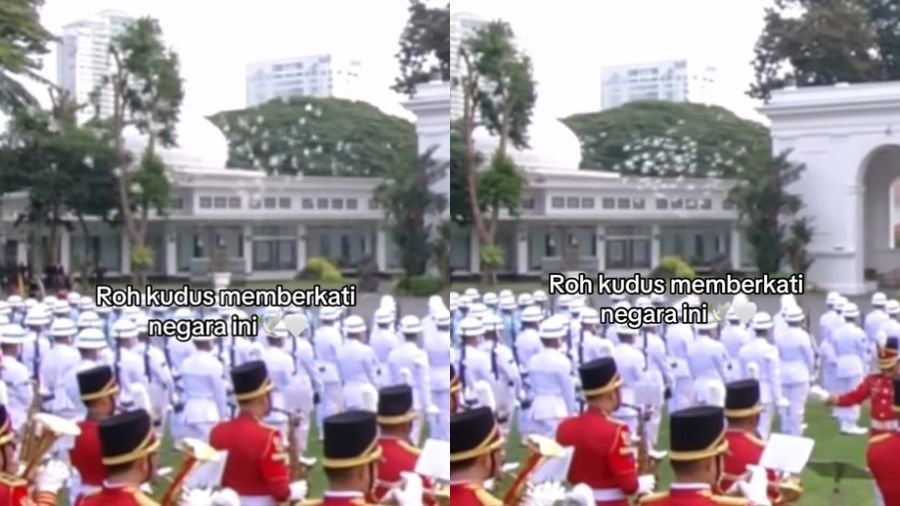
(881, 170)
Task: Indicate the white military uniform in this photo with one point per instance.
(474, 365)
(761, 356)
(204, 393)
(678, 336)
(409, 363)
(160, 383)
(127, 365)
(383, 340)
(528, 344)
(357, 364)
(734, 336)
(507, 382)
(656, 378)
(631, 364)
(891, 326)
(281, 369)
(798, 362)
(179, 351)
(15, 376)
(708, 363)
(851, 350)
(36, 343)
(58, 361)
(90, 338)
(304, 385)
(326, 342)
(437, 346)
(552, 383)
(590, 346)
(872, 324)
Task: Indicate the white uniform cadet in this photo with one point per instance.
(631, 364)
(734, 336)
(851, 350)
(326, 342)
(36, 345)
(408, 364)
(528, 342)
(828, 324)
(891, 326)
(590, 346)
(437, 347)
(15, 375)
(127, 365)
(872, 324)
(58, 361)
(281, 369)
(798, 363)
(90, 343)
(760, 361)
(474, 365)
(657, 377)
(204, 391)
(507, 382)
(611, 331)
(357, 364)
(552, 381)
(708, 362)
(160, 383)
(176, 350)
(383, 340)
(678, 336)
(305, 386)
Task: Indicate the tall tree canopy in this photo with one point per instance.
(22, 40)
(318, 137)
(815, 42)
(424, 47)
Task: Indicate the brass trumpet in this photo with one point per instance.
(40, 437)
(790, 488)
(196, 452)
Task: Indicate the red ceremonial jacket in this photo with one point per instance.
(397, 456)
(111, 495)
(691, 497)
(86, 456)
(743, 449)
(248, 441)
(471, 494)
(881, 458)
(14, 492)
(604, 457)
(880, 389)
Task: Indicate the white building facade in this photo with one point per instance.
(324, 75)
(671, 81)
(83, 57)
(462, 26)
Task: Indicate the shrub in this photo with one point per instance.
(673, 267)
(318, 268)
(423, 286)
(330, 273)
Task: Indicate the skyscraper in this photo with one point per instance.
(84, 58)
(462, 26)
(672, 81)
(323, 75)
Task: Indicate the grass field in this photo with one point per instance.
(830, 446)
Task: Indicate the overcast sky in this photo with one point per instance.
(570, 40)
(215, 39)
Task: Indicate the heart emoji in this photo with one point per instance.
(720, 312)
(745, 311)
(296, 323)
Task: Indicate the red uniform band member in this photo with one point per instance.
(476, 455)
(97, 387)
(878, 387)
(129, 446)
(742, 409)
(350, 455)
(14, 491)
(455, 389)
(395, 416)
(882, 456)
(697, 450)
(604, 458)
(248, 441)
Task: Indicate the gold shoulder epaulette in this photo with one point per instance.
(486, 499)
(12, 481)
(652, 498)
(729, 501)
(757, 441)
(410, 448)
(879, 438)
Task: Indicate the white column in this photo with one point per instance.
(247, 240)
(474, 252)
(126, 252)
(736, 247)
(381, 249)
(65, 249)
(22, 250)
(655, 245)
(301, 247)
(522, 250)
(600, 231)
(171, 251)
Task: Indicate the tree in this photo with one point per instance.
(318, 137)
(498, 87)
(767, 209)
(147, 93)
(424, 47)
(406, 199)
(22, 40)
(815, 42)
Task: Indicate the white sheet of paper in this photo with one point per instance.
(434, 461)
(553, 470)
(787, 453)
(207, 474)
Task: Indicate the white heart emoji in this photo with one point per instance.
(745, 311)
(296, 323)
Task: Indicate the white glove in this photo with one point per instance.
(175, 399)
(545, 494)
(225, 497)
(580, 495)
(756, 487)
(646, 484)
(488, 485)
(52, 477)
(432, 410)
(299, 490)
(818, 393)
(196, 497)
(411, 493)
(783, 403)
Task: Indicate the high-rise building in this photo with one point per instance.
(322, 75)
(83, 59)
(671, 81)
(462, 26)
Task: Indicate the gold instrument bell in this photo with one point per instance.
(791, 489)
(44, 433)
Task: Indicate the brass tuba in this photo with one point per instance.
(39, 436)
(790, 488)
(195, 452)
(540, 449)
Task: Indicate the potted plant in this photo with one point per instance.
(218, 267)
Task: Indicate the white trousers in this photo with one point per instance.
(331, 403)
(439, 426)
(546, 428)
(682, 394)
(792, 417)
(196, 430)
(764, 427)
(848, 416)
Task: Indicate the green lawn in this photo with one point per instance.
(830, 445)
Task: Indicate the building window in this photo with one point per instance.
(337, 203)
(706, 204)
(624, 203)
(727, 205)
(234, 202)
(677, 203)
(587, 203)
(558, 203)
(609, 203)
(176, 203)
(662, 204)
(549, 246)
(322, 203)
(352, 204)
(638, 203)
(627, 247)
(528, 203)
(572, 203)
(284, 203)
(220, 202)
(308, 203)
(690, 204)
(205, 202)
(255, 203)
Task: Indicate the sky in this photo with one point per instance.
(571, 40)
(215, 40)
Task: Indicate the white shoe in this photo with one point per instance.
(857, 430)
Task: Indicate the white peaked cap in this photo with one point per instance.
(879, 299)
(525, 299)
(434, 302)
(840, 302)
(124, 328)
(63, 327)
(354, 324)
(49, 300)
(410, 324)
(831, 298)
(329, 313)
(892, 307)
(89, 319)
(489, 298)
(182, 313)
(508, 301)
(471, 326)
(90, 338)
(471, 293)
(539, 296)
(590, 316)
(15, 300)
(442, 317)
(850, 310)
(739, 298)
(492, 321)
(793, 314)
(553, 328)
(12, 333)
(532, 314)
(73, 297)
(762, 321)
(61, 307)
(383, 315)
(477, 310)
